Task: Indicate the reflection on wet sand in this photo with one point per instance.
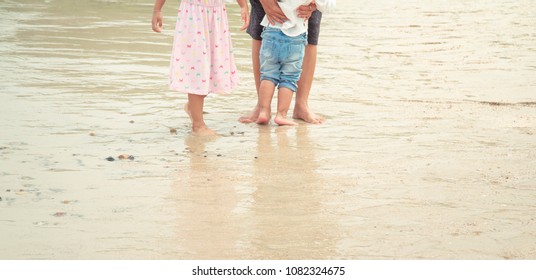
(277, 213)
(289, 212)
(205, 199)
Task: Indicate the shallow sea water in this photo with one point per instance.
(428, 150)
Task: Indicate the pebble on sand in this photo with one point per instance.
(123, 156)
(173, 131)
(59, 214)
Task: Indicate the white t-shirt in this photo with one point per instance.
(295, 25)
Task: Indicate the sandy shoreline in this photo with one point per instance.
(440, 185)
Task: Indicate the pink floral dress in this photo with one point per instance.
(202, 60)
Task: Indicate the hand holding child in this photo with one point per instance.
(273, 11)
(305, 11)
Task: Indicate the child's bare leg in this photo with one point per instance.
(266, 93)
(255, 58)
(301, 107)
(194, 109)
(284, 97)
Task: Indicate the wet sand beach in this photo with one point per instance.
(428, 150)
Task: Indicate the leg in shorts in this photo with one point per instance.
(281, 58)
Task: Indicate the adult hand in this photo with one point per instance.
(305, 11)
(273, 12)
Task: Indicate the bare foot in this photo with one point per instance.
(282, 120)
(251, 117)
(307, 115)
(203, 131)
(264, 118)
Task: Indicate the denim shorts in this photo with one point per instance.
(282, 57)
(257, 14)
